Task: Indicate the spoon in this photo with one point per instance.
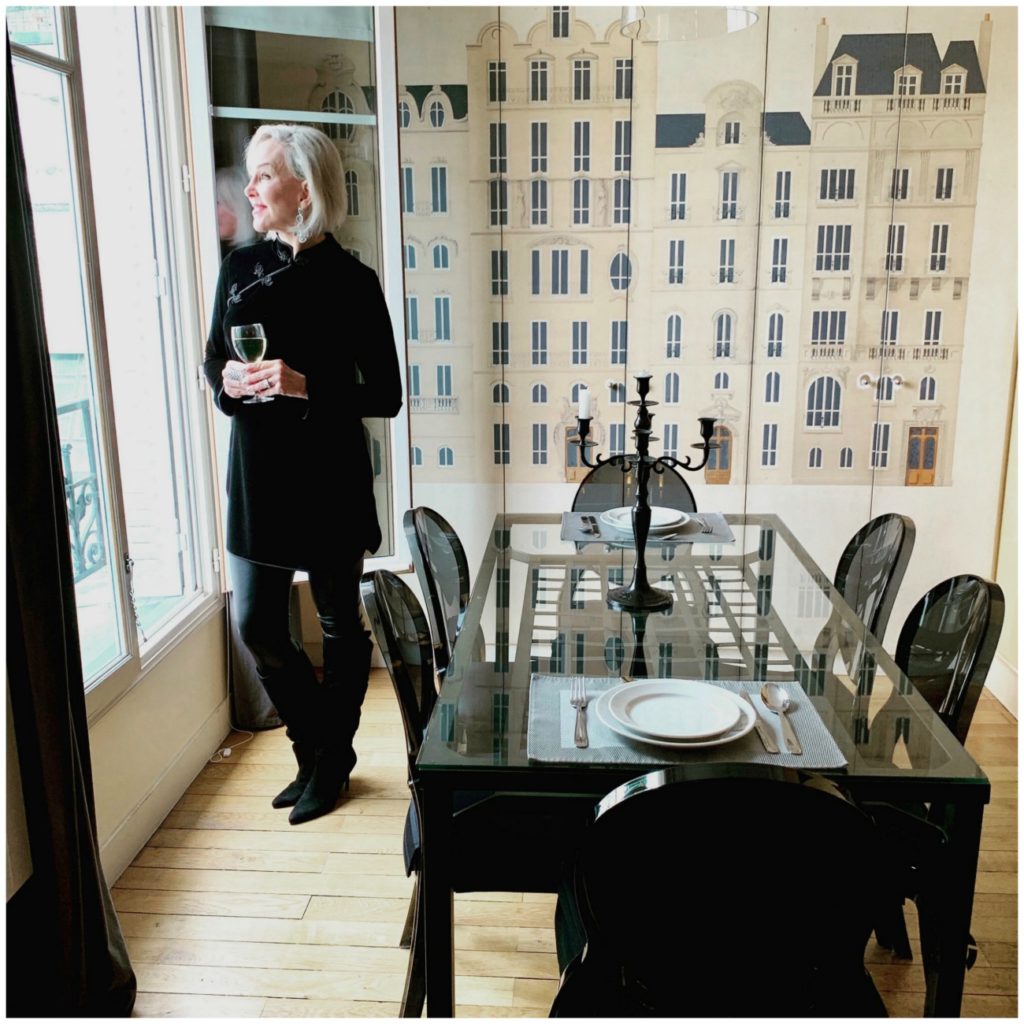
(777, 700)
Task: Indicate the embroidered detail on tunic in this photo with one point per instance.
(258, 270)
(262, 277)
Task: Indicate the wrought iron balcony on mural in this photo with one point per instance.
(82, 498)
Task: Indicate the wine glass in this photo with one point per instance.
(250, 343)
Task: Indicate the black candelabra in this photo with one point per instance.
(639, 593)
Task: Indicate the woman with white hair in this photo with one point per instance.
(330, 361)
(234, 215)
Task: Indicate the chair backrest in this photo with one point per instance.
(443, 571)
(872, 566)
(400, 629)
(608, 487)
(947, 645)
(702, 893)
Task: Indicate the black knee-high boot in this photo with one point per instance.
(346, 676)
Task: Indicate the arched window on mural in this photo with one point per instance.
(445, 456)
(721, 381)
(671, 388)
(404, 116)
(846, 458)
(336, 102)
(824, 402)
(723, 335)
(886, 391)
(441, 256)
(775, 327)
(719, 464)
(416, 453)
(352, 193)
(772, 386)
(674, 336)
(621, 272)
(574, 394)
(500, 394)
(436, 114)
(814, 458)
(926, 392)
(410, 256)
(539, 394)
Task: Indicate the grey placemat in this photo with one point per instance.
(552, 720)
(572, 530)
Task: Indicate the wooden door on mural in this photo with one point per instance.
(922, 449)
(719, 467)
(575, 470)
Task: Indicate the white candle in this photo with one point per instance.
(584, 404)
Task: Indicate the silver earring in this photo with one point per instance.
(301, 232)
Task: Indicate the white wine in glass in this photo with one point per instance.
(250, 343)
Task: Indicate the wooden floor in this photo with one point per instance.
(229, 911)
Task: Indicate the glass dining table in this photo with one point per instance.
(749, 608)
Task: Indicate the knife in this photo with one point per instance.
(764, 733)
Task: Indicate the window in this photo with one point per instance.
(538, 81)
(497, 81)
(445, 456)
(952, 83)
(408, 193)
(926, 393)
(674, 336)
(500, 394)
(730, 186)
(900, 185)
(772, 386)
(670, 440)
(624, 78)
(621, 208)
(535, 272)
(621, 271)
(581, 80)
(574, 394)
(623, 145)
(677, 197)
(842, 79)
(833, 247)
(539, 342)
(894, 247)
(580, 332)
(499, 271)
(581, 201)
(944, 183)
(907, 84)
(414, 380)
(814, 458)
(783, 185)
(769, 444)
(539, 394)
(444, 380)
(836, 183)
(440, 255)
(412, 317)
(498, 194)
(560, 22)
(620, 343)
(581, 146)
(727, 261)
(828, 325)
(617, 438)
(559, 271)
(846, 458)
(940, 247)
(538, 146)
(886, 389)
(723, 335)
(890, 326)
(498, 136)
(538, 201)
(436, 114)
(776, 324)
(352, 193)
(672, 388)
(721, 381)
(731, 133)
(540, 444)
(780, 256)
(337, 102)
(676, 261)
(404, 117)
(499, 343)
(410, 256)
(442, 318)
(438, 189)
(824, 399)
(880, 446)
(932, 326)
(416, 455)
(584, 271)
(617, 393)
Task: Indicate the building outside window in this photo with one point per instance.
(727, 261)
(439, 189)
(581, 80)
(499, 271)
(730, 189)
(828, 325)
(932, 326)
(408, 191)
(780, 257)
(837, 183)
(890, 326)
(676, 261)
(499, 343)
(497, 81)
(498, 196)
(783, 186)
(723, 336)
(677, 197)
(621, 195)
(538, 147)
(672, 388)
(670, 440)
(444, 380)
(404, 115)
(846, 458)
(900, 186)
(410, 257)
(814, 458)
(880, 445)
(559, 271)
(731, 134)
(412, 317)
(414, 380)
(944, 183)
(540, 444)
(560, 22)
(776, 324)
(501, 394)
(824, 402)
(842, 79)
(502, 447)
(926, 392)
(769, 444)
(337, 102)
(539, 343)
(538, 81)
(416, 455)
(440, 255)
(352, 193)
(584, 271)
(581, 201)
(772, 386)
(538, 202)
(498, 136)
(621, 272)
(907, 84)
(539, 394)
(445, 456)
(620, 343)
(617, 393)
(833, 247)
(940, 247)
(674, 336)
(886, 389)
(580, 339)
(580, 146)
(721, 381)
(623, 78)
(442, 318)
(894, 247)
(623, 146)
(617, 438)
(952, 83)
(436, 114)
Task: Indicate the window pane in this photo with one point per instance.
(37, 28)
(42, 110)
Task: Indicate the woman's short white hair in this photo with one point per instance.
(314, 159)
(231, 193)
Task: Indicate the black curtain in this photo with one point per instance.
(66, 955)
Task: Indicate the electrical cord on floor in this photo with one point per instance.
(225, 752)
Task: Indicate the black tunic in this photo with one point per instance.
(300, 481)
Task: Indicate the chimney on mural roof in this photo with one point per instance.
(820, 53)
(985, 47)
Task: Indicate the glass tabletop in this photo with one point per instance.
(754, 609)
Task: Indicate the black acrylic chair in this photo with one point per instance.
(608, 487)
(711, 890)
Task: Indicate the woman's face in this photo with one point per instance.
(273, 191)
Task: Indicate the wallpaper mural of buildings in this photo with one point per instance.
(805, 229)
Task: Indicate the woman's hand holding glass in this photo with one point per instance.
(275, 377)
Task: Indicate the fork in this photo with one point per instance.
(578, 699)
(705, 526)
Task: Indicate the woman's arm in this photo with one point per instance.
(217, 356)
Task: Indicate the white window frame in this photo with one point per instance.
(776, 330)
(938, 251)
(780, 259)
(619, 342)
(581, 200)
(844, 77)
(624, 78)
(945, 178)
(677, 196)
(783, 190)
(932, 327)
(538, 147)
(881, 434)
(769, 445)
(497, 81)
(538, 343)
(674, 336)
(582, 75)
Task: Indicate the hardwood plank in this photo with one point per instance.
(978, 981)
(341, 908)
(996, 882)
(157, 857)
(997, 860)
(294, 839)
(364, 824)
(331, 1008)
(216, 903)
(528, 992)
(161, 1004)
(521, 940)
(259, 805)
(506, 964)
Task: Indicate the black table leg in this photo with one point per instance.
(436, 830)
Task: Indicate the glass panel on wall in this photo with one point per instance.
(312, 66)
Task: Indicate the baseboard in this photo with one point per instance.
(1002, 683)
(134, 832)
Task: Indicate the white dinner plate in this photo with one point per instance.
(675, 709)
(662, 518)
(742, 727)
